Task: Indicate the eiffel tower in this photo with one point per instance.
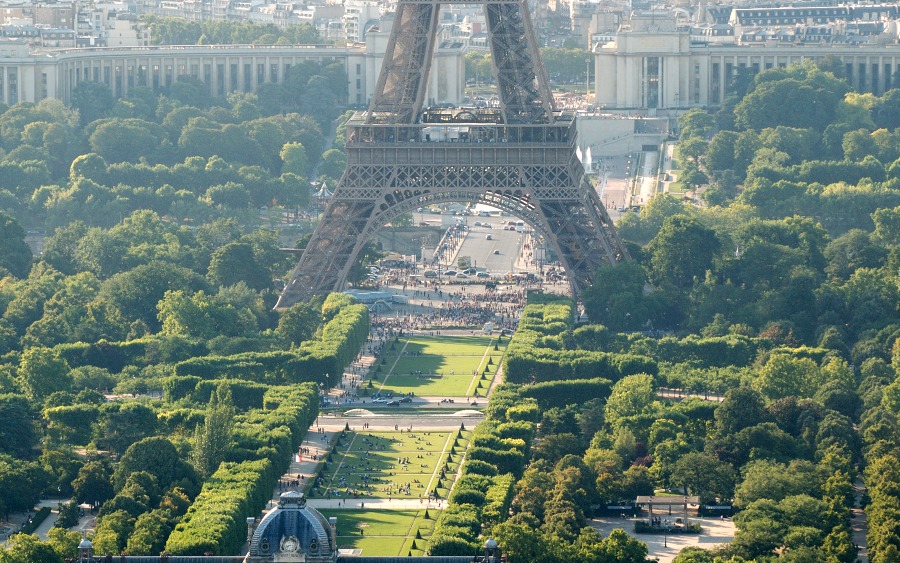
(519, 157)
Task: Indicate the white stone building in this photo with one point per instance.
(652, 64)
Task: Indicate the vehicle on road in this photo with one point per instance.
(483, 275)
(450, 273)
(394, 403)
(461, 276)
(406, 399)
(497, 251)
(380, 400)
(489, 237)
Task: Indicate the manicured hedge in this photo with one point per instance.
(113, 356)
(36, 520)
(541, 349)
(181, 419)
(550, 394)
(177, 387)
(265, 441)
(498, 499)
(478, 467)
(216, 522)
(71, 424)
(245, 395)
(482, 495)
(316, 361)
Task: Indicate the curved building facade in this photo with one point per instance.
(30, 76)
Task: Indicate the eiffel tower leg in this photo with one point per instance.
(331, 251)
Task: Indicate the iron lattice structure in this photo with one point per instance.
(519, 157)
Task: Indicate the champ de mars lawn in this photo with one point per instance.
(445, 366)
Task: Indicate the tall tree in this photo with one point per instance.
(212, 438)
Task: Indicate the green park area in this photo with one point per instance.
(384, 532)
(391, 465)
(452, 366)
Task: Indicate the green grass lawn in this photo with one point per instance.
(438, 365)
(676, 187)
(383, 532)
(391, 465)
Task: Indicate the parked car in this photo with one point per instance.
(380, 400)
(450, 273)
(406, 399)
(394, 403)
(483, 275)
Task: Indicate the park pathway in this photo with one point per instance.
(859, 526)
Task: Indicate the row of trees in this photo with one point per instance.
(178, 31)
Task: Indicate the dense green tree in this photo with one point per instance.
(741, 408)
(111, 533)
(15, 255)
(851, 251)
(93, 100)
(234, 263)
(521, 543)
(630, 396)
(333, 163)
(784, 376)
(21, 484)
(682, 251)
(18, 433)
(157, 456)
(299, 323)
(702, 475)
(120, 140)
(136, 292)
(763, 479)
(123, 424)
(150, 532)
(28, 548)
(93, 484)
(294, 159)
(695, 123)
(41, 372)
(616, 298)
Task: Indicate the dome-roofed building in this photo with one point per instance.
(293, 532)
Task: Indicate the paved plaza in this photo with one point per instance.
(664, 548)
